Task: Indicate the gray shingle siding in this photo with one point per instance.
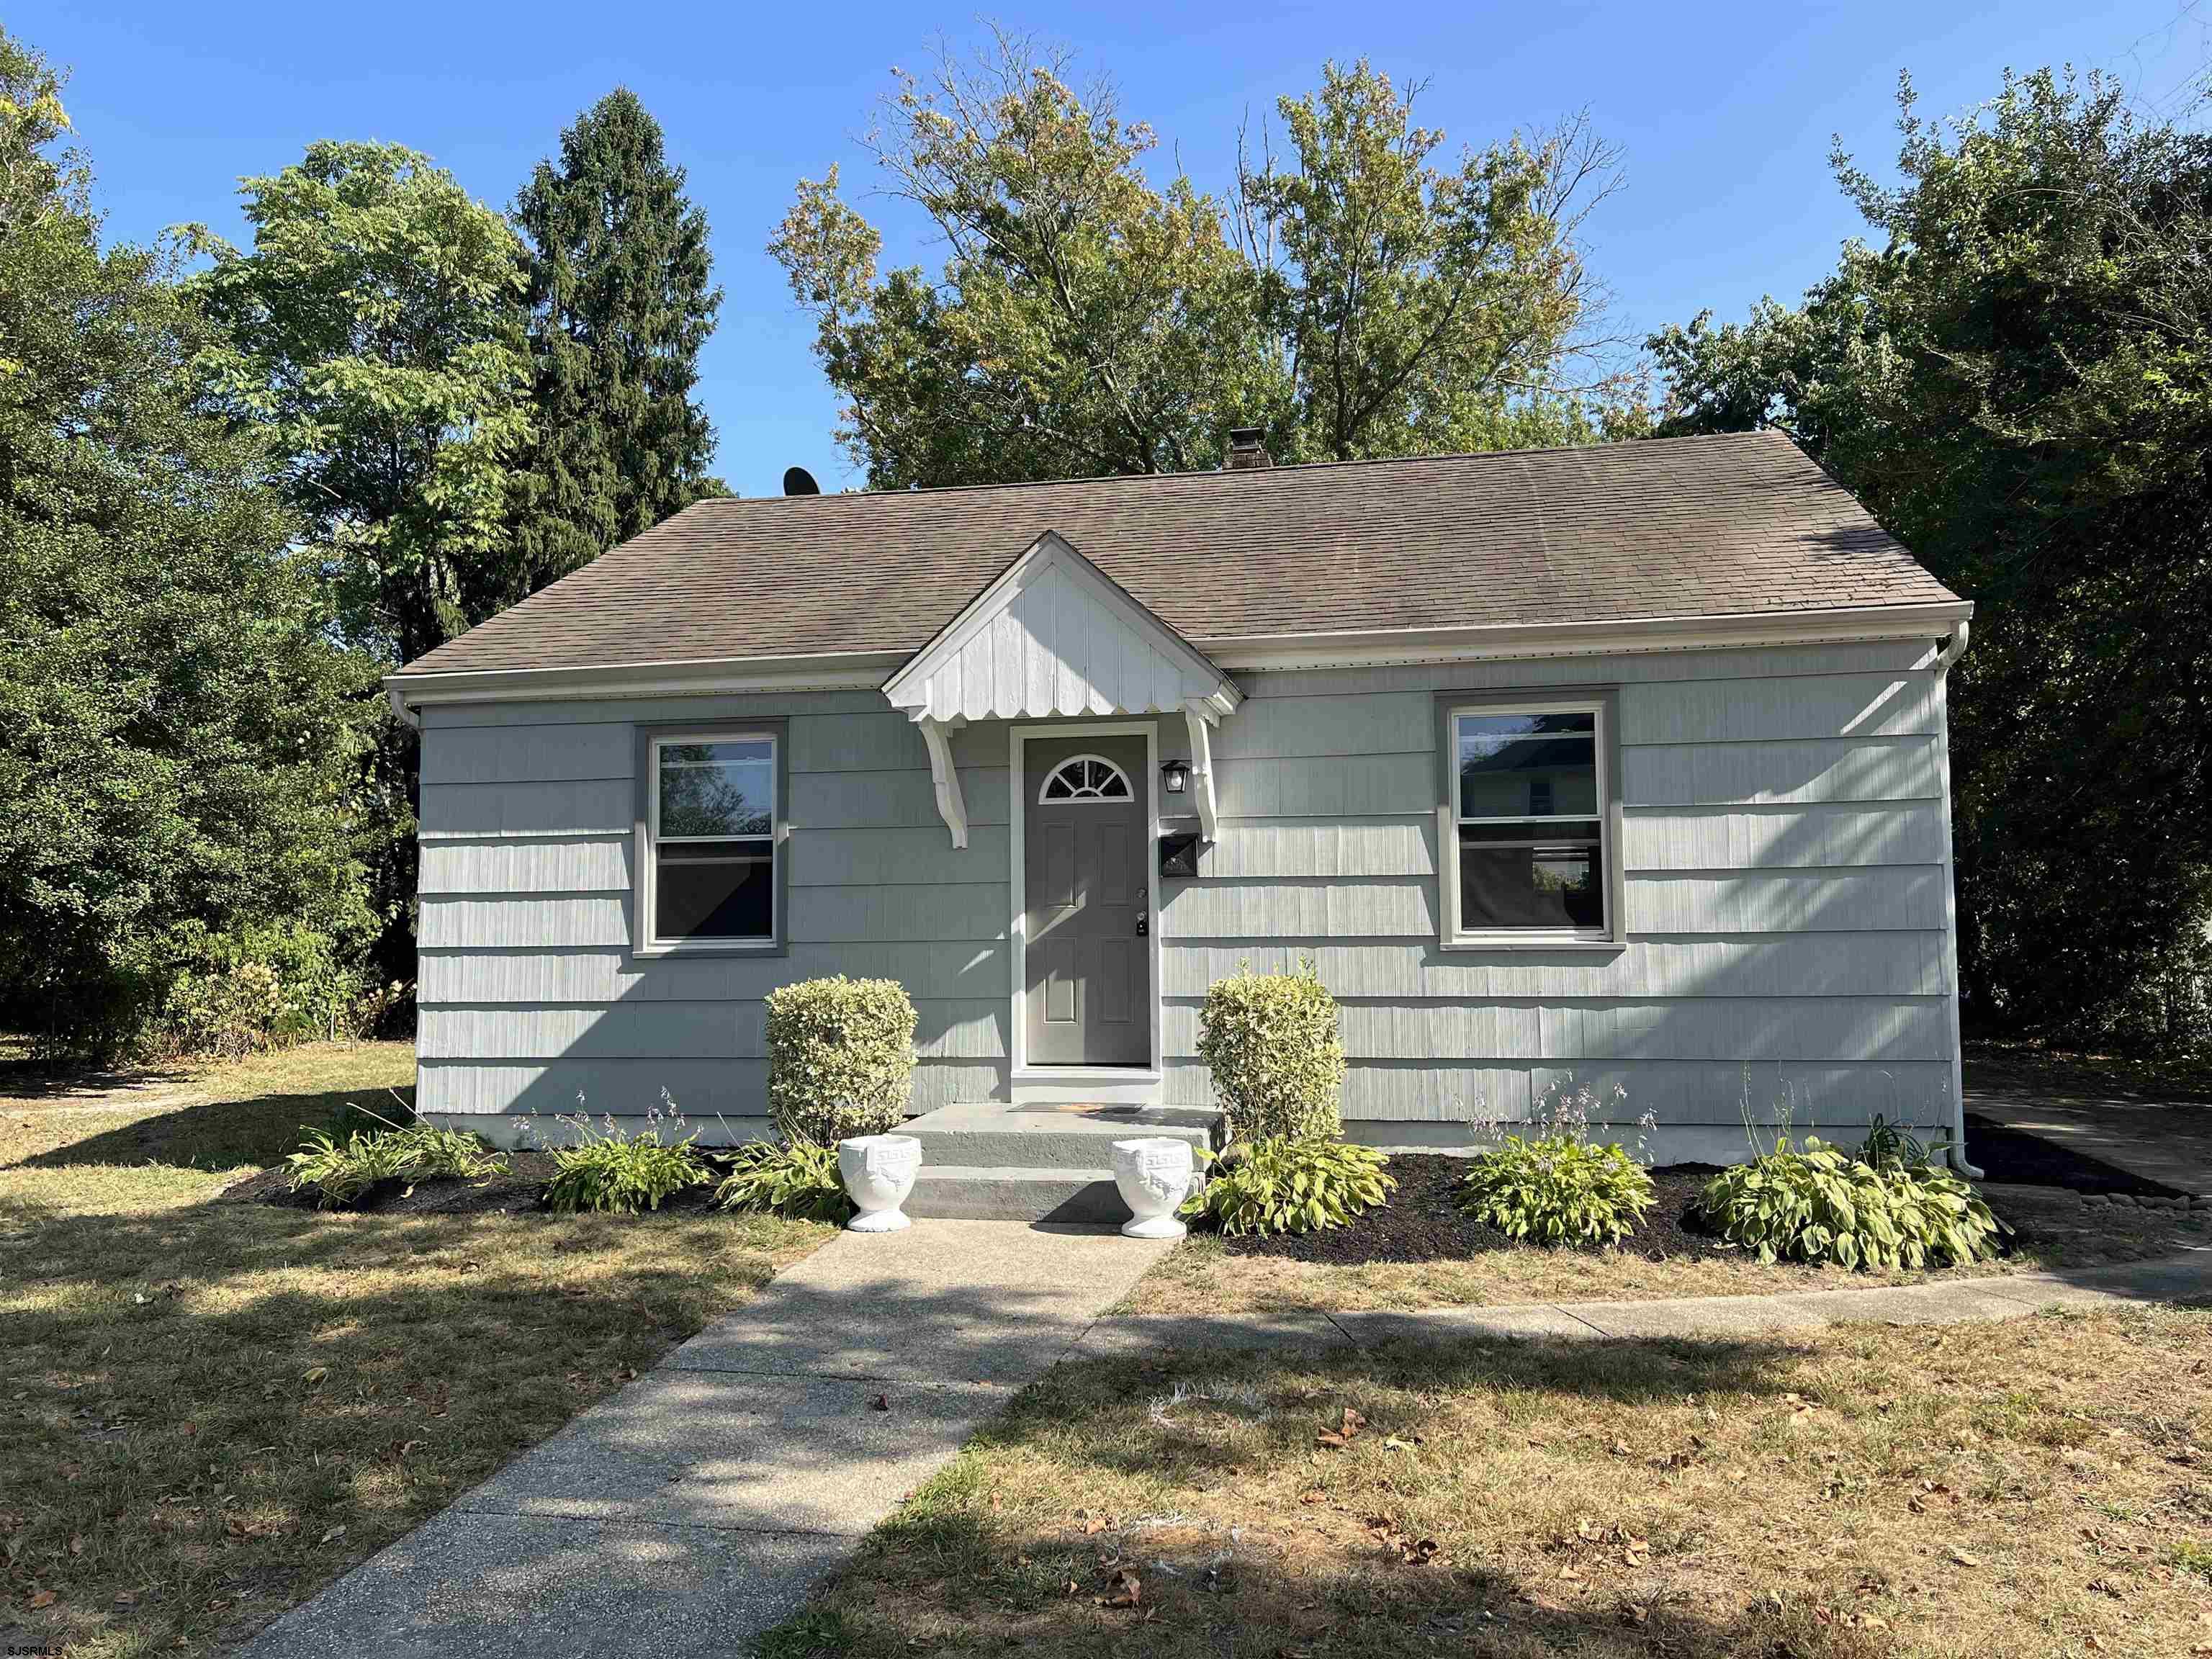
(1782, 844)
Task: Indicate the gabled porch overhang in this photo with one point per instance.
(1054, 636)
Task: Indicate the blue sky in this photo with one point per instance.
(1724, 113)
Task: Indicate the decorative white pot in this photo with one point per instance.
(878, 1172)
(1154, 1175)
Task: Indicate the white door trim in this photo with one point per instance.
(1118, 1085)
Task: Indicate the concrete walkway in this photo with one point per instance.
(695, 1509)
(2168, 1141)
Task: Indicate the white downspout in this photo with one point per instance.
(1952, 650)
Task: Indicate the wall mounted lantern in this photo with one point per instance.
(1175, 776)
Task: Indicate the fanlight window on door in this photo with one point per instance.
(1085, 778)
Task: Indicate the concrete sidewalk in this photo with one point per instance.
(695, 1507)
(1947, 1302)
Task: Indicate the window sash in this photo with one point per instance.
(1576, 824)
(677, 849)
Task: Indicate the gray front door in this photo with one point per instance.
(1086, 857)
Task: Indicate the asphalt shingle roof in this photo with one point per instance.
(1723, 526)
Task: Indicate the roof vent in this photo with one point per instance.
(1248, 449)
(798, 481)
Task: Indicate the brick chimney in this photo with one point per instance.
(1248, 449)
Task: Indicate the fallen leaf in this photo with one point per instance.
(881, 1402)
(76, 1545)
(314, 1374)
(627, 1374)
(1620, 1448)
(1391, 1443)
(1353, 1422)
(44, 1598)
(1311, 1495)
(1122, 1590)
(1963, 1558)
(1094, 1526)
(188, 1429)
(333, 1534)
(127, 1598)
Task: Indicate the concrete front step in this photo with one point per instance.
(965, 1192)
(990, 1135)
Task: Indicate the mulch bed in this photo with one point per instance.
(2018, 1159)
(1423, 1222)
(516, 1193)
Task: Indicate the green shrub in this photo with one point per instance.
(1815, 1203)
(1286, 1184)
(840, 1058)
(794, 1178)
(1557, 1188)
(258, 988)
(606, 1169)
(341, 1172)
(1272, 1042)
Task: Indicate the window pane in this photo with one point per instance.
(715, 890)
(1527, 765)
(717, 788)
(1549, 885)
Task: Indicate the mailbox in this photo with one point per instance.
(1179, 854)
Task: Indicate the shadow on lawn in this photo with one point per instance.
(220, 1406)
(224, 1133)
(949, 1571)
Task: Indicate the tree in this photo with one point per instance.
(620, 299)
(178, 734)
(2016, 381)
(1088, 322)
(1417, 309)
(1084, 322)
(375, 333)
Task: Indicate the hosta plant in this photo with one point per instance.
(1557, 1188)
(1817, 1203)
(607, 1170)
(342, 1171)
(794, 1178)
(1290, 1184)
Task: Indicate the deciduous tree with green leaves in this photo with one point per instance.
(375, 333)
(621, 298)
(2016, 378)
(1419, 309)
(180, 734)
(1087, 321)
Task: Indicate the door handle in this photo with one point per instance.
(1144, 921)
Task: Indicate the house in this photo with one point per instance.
(1057, 756)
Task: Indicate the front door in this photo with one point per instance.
(1086, 900)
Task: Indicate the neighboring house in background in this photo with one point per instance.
(1673, 710)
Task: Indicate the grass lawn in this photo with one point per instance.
(212, 1409)
(2042, 1486)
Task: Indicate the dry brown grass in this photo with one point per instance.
(2036, 1487)
(214, 1408)
(1199, 1276)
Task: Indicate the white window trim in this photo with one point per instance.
(652, 945)
(1126, 798)
(1450, 935)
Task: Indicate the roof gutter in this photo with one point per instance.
(412, 692)
(1627, 635)
(855, 670)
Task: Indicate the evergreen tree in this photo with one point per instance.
(621, 298)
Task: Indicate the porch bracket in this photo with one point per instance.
(1199, 715)
(938, 735)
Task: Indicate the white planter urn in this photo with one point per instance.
(878, 1172)
(1155, 1175)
